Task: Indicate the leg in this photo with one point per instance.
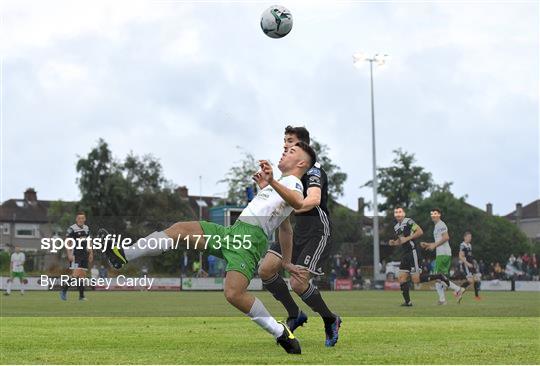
(274, 283)
(236, 285)
(80, 274)
(9, 283)
(184, 234)
(403, 278)
(312, 297)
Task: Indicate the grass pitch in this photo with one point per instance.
(201, 328)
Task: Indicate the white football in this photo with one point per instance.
(276, 21)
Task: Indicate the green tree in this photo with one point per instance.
(403, 183)
(130, 197)
(336, 178)
(239, 177)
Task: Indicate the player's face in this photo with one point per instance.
(467, 238)
(291, 158)
(80, 220)
(289, 141)
(435, 216)
(17, 249)
(399, 214)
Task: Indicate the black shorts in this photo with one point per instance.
(310, 252)
(410, 262)
(79, 263)
(466, 270)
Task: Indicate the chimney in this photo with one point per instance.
(519, 212)
(361, 206)
(182, 192)
(30, 195)
(489, 209)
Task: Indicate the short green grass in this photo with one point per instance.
(201, 328)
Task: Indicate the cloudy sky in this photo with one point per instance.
(190, 81)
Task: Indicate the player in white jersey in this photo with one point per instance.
(443, 258)
(243, 244)
(16, 270)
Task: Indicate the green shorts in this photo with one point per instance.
(241, 245)
(442, 264)
(19, 275)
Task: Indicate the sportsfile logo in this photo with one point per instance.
(99, 243)
(233, 242)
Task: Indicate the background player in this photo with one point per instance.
(469, 265)
(406, 231)
(310, 249)
(80, 257)
(16, 270)
(443, 256)
(269, 210)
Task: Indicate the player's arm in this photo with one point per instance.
(444, 238)
(416, 232)
(258, 178)
(285, 236)
(312, 200)
(294, 198)
(69, 251)
(314, 182)
(463, 259)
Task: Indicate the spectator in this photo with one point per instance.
(103, 272)
(94, 272)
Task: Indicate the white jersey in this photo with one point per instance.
(17, 262)
(438, 231)
(268, 210)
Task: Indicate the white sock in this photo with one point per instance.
(454, 287)
(154, 244)
(440, 290)
(8, 287)
(22, 286)
(262, 317)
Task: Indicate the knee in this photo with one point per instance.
(298, 287)
(266, 271)
(232, 294)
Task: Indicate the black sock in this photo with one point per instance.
(278, 288)
(80, 286)
(312, 297)
(465, 284)
(405, 292)
(476, 288)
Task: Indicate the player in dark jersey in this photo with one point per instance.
(407, 231)
(311, 247)
(80, 256)
(469, 266)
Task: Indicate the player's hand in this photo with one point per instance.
(299, 273)
(267, 172)
(423, 244)
(391, 242)
(470, 265)
(431, 246)
(258, 178)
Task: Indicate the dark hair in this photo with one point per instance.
(300, 132)
(437, 210)
(309, 150)
(467, 233)
(398, 207)
(80, 213)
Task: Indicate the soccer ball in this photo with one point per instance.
(276, 21)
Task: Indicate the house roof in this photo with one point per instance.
(530, 211)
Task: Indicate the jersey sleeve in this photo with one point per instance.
(293, 183)
(314, 177)
(413, 226)
(69, 232)
(462, 247)
(442, 228)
